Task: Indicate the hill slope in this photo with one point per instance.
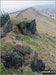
(22, 53)
(45, 19)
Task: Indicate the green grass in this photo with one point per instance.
(42, 45)
(18, 20)
(3, 70)
(35, 42)
(13, 15)
(50, 42)
(28, 73)
(32, 43)
(5, 46)
(15, 71)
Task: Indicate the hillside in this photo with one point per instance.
(45, 19)
(28, 42)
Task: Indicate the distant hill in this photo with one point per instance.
(35, 12)
(45, 18)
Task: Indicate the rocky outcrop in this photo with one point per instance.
(23, 56)
(16, 57)
(6, 29)
(37, 65)
(27, 28)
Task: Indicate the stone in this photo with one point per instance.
(27, 28)
(37, 65)
(8, 27)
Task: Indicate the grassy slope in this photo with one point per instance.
(4, 49)
(46, 25)
(13, 15)
(12, 71)
(45, 48)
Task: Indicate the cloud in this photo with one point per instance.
(11, 6)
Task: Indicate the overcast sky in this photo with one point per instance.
(12, 6)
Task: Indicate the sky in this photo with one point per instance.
(12, 6)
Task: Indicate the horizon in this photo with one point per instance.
(13, 6)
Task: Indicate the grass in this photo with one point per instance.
(32, 43)
(50, 19)
(28, 73)
(3, 70)
(43, 46)
(5, 46)
(15, 21)
(14, 71)
(46, 18)
(13, 15)
(50, 42)
(46, 25)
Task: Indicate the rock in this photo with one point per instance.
(27, 28)
(37, 65)
(8, 27)
(3, 34)
(16, 57)
(23, 56)
(33, 26)
(17, 38)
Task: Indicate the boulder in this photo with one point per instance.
(3, 34)
(8, 27)
(27, 28)
(37, 65)
(16, 57)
